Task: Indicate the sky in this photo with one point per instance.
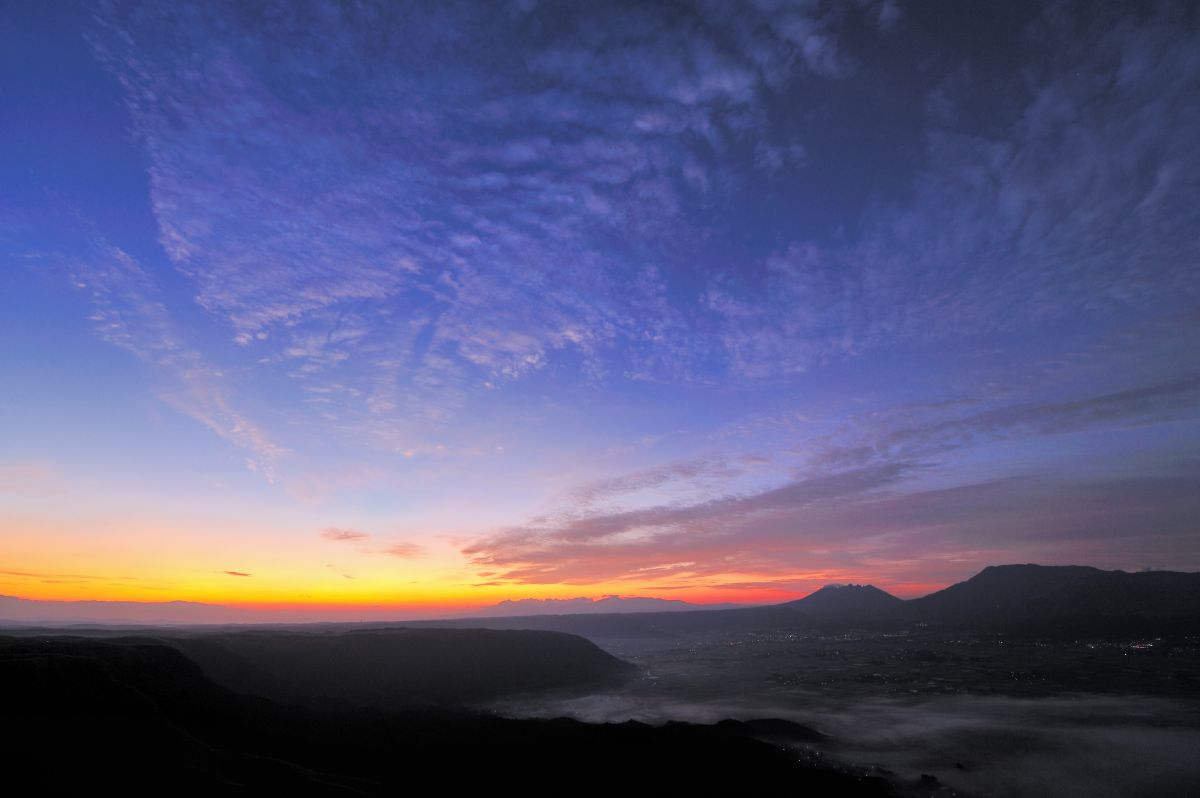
(423, 307)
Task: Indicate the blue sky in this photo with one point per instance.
(563, 299)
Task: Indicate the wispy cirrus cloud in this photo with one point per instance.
(404, 550)
(862, 503)
(637, 542)
(67, 577)
(343, 535)
(928, 431)
(934, 536)
(690, 473)
(129, 312)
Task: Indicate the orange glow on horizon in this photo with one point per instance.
(329, 597)
(246, 568)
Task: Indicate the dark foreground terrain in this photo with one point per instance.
(139, 716)
(1022, 681)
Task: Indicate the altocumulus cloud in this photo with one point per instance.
(432, 220)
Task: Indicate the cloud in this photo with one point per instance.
(235, 573)
(67, 577)
(420, 274)
(614, 201)
(921, 432)
(922, 536)
(416, 276)
(339, 571)
(863, 505)
(129, 312)
(1070, 206)
(333, 533)
(691, 473)
(404, 550)
(635, 542)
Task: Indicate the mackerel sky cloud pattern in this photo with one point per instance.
(656, 296)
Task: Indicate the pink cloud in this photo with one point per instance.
(333, 533)
(404, 550)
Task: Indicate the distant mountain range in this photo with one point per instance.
(1033, 599)
(587, 606)
(1022, 599)
(14, 610)
(1017, 599)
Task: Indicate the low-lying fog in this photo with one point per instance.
(960, 711)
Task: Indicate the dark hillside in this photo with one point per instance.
(140, 719)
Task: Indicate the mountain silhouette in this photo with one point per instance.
(844, 604)
(1067, 598)
(1019, 599)
(601, 606)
